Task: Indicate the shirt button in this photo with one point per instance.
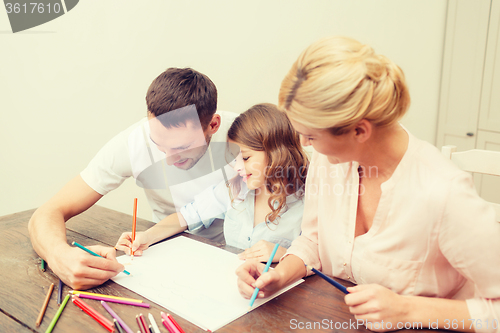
(348, 277)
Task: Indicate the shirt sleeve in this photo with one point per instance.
(469, 237)
(110, 166)
(306, 245)
(210, 204)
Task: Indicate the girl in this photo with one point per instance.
(263, 204)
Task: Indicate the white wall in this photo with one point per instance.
(68, 86)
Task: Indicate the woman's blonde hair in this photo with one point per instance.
(265, 128)
(338, 81)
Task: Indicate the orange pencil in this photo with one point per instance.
(134, 222)
(45, 303)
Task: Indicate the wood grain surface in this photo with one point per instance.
(24, 286)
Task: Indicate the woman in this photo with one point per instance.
(383, 209)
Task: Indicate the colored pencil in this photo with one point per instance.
(112, 300)
(269, 261)
(175, 323)
(57, 315)
(168, 323)
(93, 253)
(42, 264)
(59, 292)
(44, 306)
(74, 292)
(139, 322)
(156, 329)
(118, 327)
(330, 281)
(134, 224)
(116, 317)
(151, 329)
(143, 321)
(107, 324)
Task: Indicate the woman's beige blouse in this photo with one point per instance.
(430, 234)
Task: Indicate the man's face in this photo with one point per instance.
(183, 146)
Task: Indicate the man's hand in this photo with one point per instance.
(81, 270)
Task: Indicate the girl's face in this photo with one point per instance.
(251, 166)
(338, 148)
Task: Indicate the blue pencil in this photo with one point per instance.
(330, 281)
(94, 254)
(269, 261)
(59, 292)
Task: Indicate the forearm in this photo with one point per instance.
(290, 269)
(169, 226)
(47, 225)
(439, 313)
(47, 231)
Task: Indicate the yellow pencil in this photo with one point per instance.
(76, 292)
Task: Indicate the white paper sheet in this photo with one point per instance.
(194, 280)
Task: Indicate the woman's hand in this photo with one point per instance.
(380, 308)
(261, 251)
(125, 244)
(250, 276)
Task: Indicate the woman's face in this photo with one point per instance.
(338, 148)
(251, 166)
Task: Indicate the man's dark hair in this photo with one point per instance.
(179, 87)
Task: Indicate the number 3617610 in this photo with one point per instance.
(32, 8)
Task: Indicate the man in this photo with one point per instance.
(176, 135)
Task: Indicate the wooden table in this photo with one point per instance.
(23, 286)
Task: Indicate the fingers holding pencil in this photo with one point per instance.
(128, 246)
(251, 275)
(92, 270)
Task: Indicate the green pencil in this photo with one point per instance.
(43, 265)
(58, 314)
(94, 254)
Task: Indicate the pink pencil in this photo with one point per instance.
(113, 300)
(175, 323)
(168, 323)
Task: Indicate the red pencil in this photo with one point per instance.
(143, 321)
(165, 319)
(175, 323)
(139, 322)
(134, 222)
(93, 313)
(167, 325)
